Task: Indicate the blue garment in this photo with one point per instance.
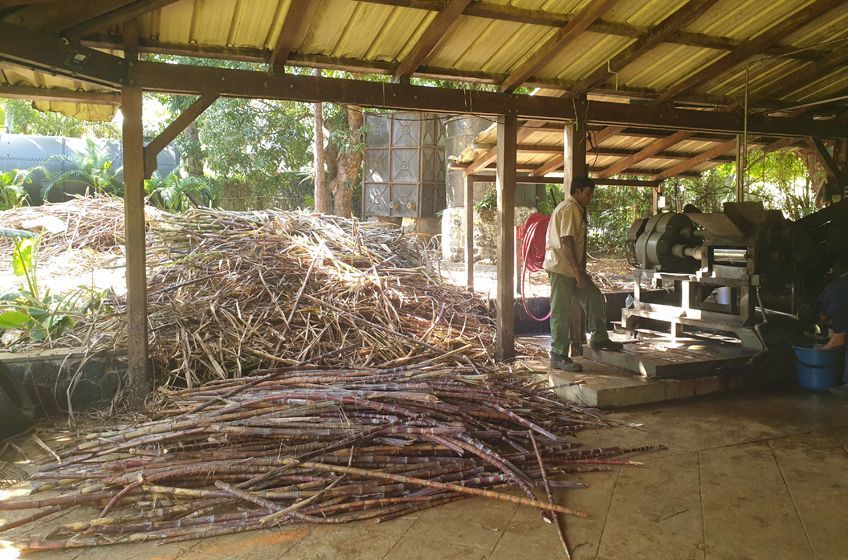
(834, 304)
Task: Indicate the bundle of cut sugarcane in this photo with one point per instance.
(235, 291)
(313, 445)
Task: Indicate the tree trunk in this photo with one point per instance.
(193, 162)
(349, 163)
(323, 203)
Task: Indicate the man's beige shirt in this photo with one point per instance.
(566, 219)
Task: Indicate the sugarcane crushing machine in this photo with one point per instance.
(733, 271)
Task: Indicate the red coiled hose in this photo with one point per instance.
(533, 236)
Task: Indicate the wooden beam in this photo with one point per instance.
(297, 21)
(505, 185)
(117, 16)
(50, 53)
(561, 39)
(195, 80)
(503, 12)
(446, 19)
(750, 48)
(695, 161)
(644, 153)
(57, 94)
(139, 382)
(155, 146)
(824, 157)
(658, 34)
(482, 161)
(468, 200)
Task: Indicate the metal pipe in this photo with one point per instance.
(730, 255)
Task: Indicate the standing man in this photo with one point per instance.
(565, 262)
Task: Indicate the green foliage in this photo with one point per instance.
(610, 214)
(94, 168)
(12, 193)
(35, 314)
(553, 196)
(25, 119)
(489, 200)
(178, 194)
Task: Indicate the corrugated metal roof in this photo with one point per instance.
(490, 45)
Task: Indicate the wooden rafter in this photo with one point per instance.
(435, 32)
(119, 15)
(561, 39)
(695, 161)
(750, 48)
(294, 29)
(502, 12)
(646, 152)
(824, 156)
(491, 155)
(660, 33)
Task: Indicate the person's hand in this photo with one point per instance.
(582, 279)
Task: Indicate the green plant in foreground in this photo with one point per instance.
(178, 194)
(35, 314)
(12, 193)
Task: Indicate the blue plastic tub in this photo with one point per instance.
(818, 369)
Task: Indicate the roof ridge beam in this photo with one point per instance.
(444, 21)
(560, 40)
(658, 34)
(293, 31)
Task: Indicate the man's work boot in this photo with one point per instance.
(607, 344)
(564, 363)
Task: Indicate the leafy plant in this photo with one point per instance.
(12, 193)
(489, 200)
(94, 168)
(36, 314)
(178, 194)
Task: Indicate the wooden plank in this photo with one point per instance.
(139, 382)
(561, 39)
(119, 15)
(703, 157)
(483, 160)
(48, 52)
(297, 21)
(658, 34)
(57, 94)
(503, 12)
(750, 48)
(505, 320)
(155, 146)
(824, 157)
(447, 18)
(468, 200)
(194, 80)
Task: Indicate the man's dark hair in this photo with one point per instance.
(580, 183)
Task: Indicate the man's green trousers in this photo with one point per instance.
(563, 290)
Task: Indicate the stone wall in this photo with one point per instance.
(47, 375)
(485, 232)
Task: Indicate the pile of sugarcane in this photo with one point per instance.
(314, 445)
(234, 291)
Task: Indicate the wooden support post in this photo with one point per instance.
(655, 200)
(575, 166)
(574, 144)
(507, 142)
(469, 232)
(740, 168)
(139, 382)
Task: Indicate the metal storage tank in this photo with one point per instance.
(404, 165)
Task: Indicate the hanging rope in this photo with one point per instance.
(533, 236)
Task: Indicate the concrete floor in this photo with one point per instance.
(746, 477)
